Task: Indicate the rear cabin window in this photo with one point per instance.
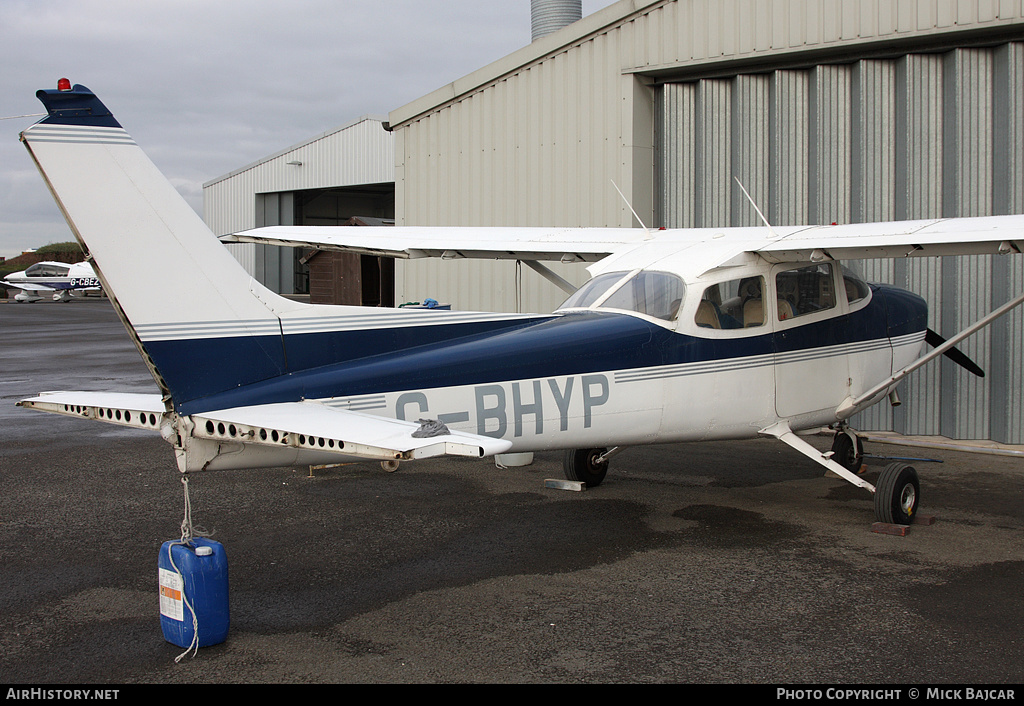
(805, 290)
(732, 305)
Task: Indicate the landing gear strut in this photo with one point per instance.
(898, 491)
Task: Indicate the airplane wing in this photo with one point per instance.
(412, 242)
(920, 238)
(300, 425)
(25, 286)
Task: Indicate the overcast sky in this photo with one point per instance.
(207, 86)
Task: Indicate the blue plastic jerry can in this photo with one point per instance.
(194, 592)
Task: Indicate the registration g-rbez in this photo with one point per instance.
(928, 693)
(62, 694)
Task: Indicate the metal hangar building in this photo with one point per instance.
(325, 180)
(828, 111)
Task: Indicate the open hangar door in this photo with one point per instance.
(328, 277)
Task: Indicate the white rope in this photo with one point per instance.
(186, 522)
(186, 538)
(29, 115)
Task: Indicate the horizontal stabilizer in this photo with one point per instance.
(317, 427)
(141, 411)
(299, 426)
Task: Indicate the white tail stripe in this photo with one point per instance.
(79, 134)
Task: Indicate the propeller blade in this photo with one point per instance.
(935, 340)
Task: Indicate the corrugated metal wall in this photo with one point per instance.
(529, 151)
(922, 135)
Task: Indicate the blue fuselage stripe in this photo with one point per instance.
(242, 371)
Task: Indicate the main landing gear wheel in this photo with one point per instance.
(846, 453)
(579, 465)
(897, 494)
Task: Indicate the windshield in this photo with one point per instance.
(593, 290)
(657, 294)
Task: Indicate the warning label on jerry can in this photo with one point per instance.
(171, 587)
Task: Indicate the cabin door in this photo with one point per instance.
(812, 368)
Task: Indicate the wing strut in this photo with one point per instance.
(854, 404)
(550, 276)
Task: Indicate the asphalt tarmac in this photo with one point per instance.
(729, 563)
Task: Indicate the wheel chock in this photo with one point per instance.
(558, 484)
(886, 528)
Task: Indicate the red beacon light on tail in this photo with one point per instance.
(63, 84)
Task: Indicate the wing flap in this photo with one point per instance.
(317, 427)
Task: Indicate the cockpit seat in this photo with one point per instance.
(707, 317)
(785, 310)
(753, 313)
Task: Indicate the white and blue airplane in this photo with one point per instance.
(57, 278)
(680, 335)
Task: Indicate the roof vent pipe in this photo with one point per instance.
(549, 16)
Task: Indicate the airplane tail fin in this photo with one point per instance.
(207, 330)
(170, 279)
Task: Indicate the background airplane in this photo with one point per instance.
(57, 278)
(681, 335)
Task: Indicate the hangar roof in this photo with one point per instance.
(549, 44)
(296, 147)
(683, 35)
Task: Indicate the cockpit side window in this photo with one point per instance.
(734, 304)
(805, 290)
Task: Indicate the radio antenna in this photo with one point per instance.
(647, 231)
(763, 219)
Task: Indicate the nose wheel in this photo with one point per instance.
(846, 452)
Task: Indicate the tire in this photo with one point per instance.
(846, 453)
(897, 494)
(579, 465)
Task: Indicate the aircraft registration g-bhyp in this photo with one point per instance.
(680, 335)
